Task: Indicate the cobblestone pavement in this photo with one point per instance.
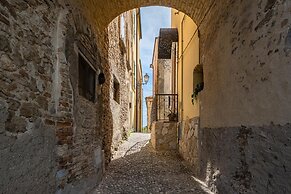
(129, 146)
(139, 169)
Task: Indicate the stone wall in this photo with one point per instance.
(245, 54)
(118, 56)
(239, 159)
(51, 138)
(164, 136)
(79, 147)
(188, 141)
(28, 160)
(245, 85)
(242, 140)
(99, 127)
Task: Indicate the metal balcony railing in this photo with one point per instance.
(166, 107)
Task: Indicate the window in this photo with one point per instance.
(87, 79)
(116, 90)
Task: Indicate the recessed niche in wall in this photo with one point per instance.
(198, 81)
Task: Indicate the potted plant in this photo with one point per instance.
(199, 87)
(172, 116)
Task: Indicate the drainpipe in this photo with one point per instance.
(138, 86)
(136, 83)
(199, 60)
(182, 63)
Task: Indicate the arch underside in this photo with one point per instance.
(101, 13)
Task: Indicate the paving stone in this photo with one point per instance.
(142, 170)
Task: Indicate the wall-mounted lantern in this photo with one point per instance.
(101, 78)
(146, 79)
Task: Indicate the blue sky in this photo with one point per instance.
(152, 19)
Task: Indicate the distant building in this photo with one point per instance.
(177, 82)
(164, 110)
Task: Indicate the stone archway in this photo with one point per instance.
(243, 42)
(243, 144)
(245, 53)
(102, 13)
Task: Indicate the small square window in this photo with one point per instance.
(116, 90)
(87, 79)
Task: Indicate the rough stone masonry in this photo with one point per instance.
(51, 140)
(245, 53)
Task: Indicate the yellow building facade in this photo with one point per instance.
(190, 85)
(188, 60)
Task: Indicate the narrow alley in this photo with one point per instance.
(137, 168)
(84, 82)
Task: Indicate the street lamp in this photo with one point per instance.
(138, 111)
(146, 79)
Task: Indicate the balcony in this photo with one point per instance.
(166, 107)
